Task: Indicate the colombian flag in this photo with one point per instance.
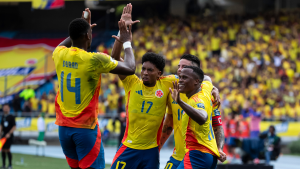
(47, 4)
(2, 142)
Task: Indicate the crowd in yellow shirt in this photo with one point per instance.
(254, 61)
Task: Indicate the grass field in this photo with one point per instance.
(36, 162)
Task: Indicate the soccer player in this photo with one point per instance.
(146, 101)
(79, 76)
(196, 119)
(174, 120)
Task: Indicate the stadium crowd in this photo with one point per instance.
(253, 61)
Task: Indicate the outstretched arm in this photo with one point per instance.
(67, 42)
(117, 48)
(128, 66)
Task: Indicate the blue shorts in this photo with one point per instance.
(82, 147)
(172, 163)
(128, 158)
(195, 159)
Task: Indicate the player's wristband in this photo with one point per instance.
(118, 34)
(127, 45)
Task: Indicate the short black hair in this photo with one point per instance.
(77, 28)
(197, 71)
(191, 58)
(155, 59)
(272, 127)
(5, 104)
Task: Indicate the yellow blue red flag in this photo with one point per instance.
(47, 4)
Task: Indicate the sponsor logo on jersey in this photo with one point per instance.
(201, 105)
(176, 77)
(174, 102)
(140, 92)
(217, 112)
(159, 93)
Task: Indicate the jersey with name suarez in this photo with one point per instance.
(200, 137)
(79, 79)
(145, 109)
(177, 112)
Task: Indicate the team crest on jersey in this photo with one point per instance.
(159, 93)
(201, 105)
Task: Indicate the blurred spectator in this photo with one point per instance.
(16, 104)
(244, 128)
(34, 104)
(27, 107)
(51, 107)
(105, 135)
(272, 144)
(112, 99)
(27, 93)
(122, 119)
(41, 126)
(44, 103)
(233, 134)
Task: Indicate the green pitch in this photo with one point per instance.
(37, 162)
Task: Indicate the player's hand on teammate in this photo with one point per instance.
(222, 157)
(126, 15)
(175, 93)
(88, 19)
(215, 93)
(125, 35)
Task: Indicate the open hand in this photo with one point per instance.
(175, 93)
(88, 19)
(125, 35)
(126, 15)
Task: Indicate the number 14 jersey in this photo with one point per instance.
(79, 79)
(145, 110)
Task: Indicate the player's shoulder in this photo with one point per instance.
(169, 78)
(59, 49)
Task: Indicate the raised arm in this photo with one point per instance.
(67, 42)
(128, 66)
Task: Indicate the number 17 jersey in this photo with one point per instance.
(79, 79)
(145, 110)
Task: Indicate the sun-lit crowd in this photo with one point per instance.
(254, 62)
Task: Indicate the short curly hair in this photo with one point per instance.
(155, 59)
(191, 58)
(197, 71)
(77, 28)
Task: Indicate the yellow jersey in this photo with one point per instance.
(145, 110)
(200, 137)
(79, 79)
(176, 110)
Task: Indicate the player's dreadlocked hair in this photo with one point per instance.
(77, 28)
(155, 59)
(195, 61)
(197, 71)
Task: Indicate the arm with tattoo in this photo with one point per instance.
(220, 138)
(167, 130)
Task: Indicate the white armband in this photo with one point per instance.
(118, 34)
(127, 45)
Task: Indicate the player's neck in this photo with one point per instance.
(191, 93)
(80, 45)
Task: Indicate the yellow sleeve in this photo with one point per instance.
(103, 63)
(57, 50)
(197, 103)
(167, 80)
(216, 112)
(129, 81)
(207, 87)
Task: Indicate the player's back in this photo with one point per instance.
(79, 77)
